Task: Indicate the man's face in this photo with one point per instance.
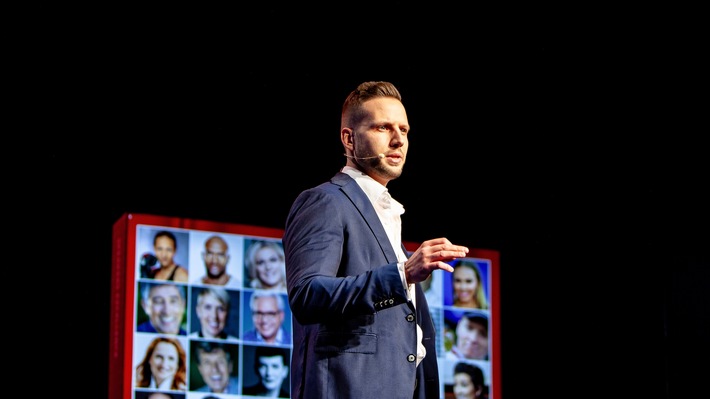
(273, 371)
(212, 314)
(267, 317)
(165, 307)
(472, 339)
(215, 369)
(385, 127)
(216, 258)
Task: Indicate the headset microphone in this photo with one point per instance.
(381, 156)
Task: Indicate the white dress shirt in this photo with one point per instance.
(389, 211)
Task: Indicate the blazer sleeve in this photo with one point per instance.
(336, 266)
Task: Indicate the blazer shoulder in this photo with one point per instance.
(341, 179)
(337, 184)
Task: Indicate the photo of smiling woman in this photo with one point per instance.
(467, 285)
(163, 366)
(265, 265)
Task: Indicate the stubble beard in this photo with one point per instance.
(378, 165)
(386, 171)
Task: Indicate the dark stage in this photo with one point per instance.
(569, 160)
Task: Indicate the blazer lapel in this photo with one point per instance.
(358, 197)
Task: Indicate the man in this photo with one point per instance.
(271, 367)
(471, 340)
(215, 364)
(212, 309)
(268, 314)
(361, 321)
(164, 304)
(216, 257)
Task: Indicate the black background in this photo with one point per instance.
(571, 151)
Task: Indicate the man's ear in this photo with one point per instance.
(346, 137)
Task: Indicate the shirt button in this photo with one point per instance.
(410, 317)
(411, 358)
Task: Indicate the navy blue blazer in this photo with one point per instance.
(354, 331)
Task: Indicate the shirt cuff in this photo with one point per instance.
(400, 267)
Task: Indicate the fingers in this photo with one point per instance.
(444, 266)
(437, 241)
(450, 251)
(436, 252)
(441, 250)
(450, 255)
(442, 245)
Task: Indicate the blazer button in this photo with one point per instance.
(410, 317)
(411, 358)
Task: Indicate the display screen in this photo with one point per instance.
(200, 311)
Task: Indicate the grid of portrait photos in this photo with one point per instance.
(212, 319)
(200, 311)
(460, 304)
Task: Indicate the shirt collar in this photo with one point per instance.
(374, 190)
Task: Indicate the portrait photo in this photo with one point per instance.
(203, 395)
(267, 317)
(162, 253)
(214, 313)
(216, 259)
(161, 307)
(159, 395)
(264, 264)
(160, 362)
(433, 288)
(468, 285)
(465, 379)
(466, 334)
(266, 371)
(214, 367)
